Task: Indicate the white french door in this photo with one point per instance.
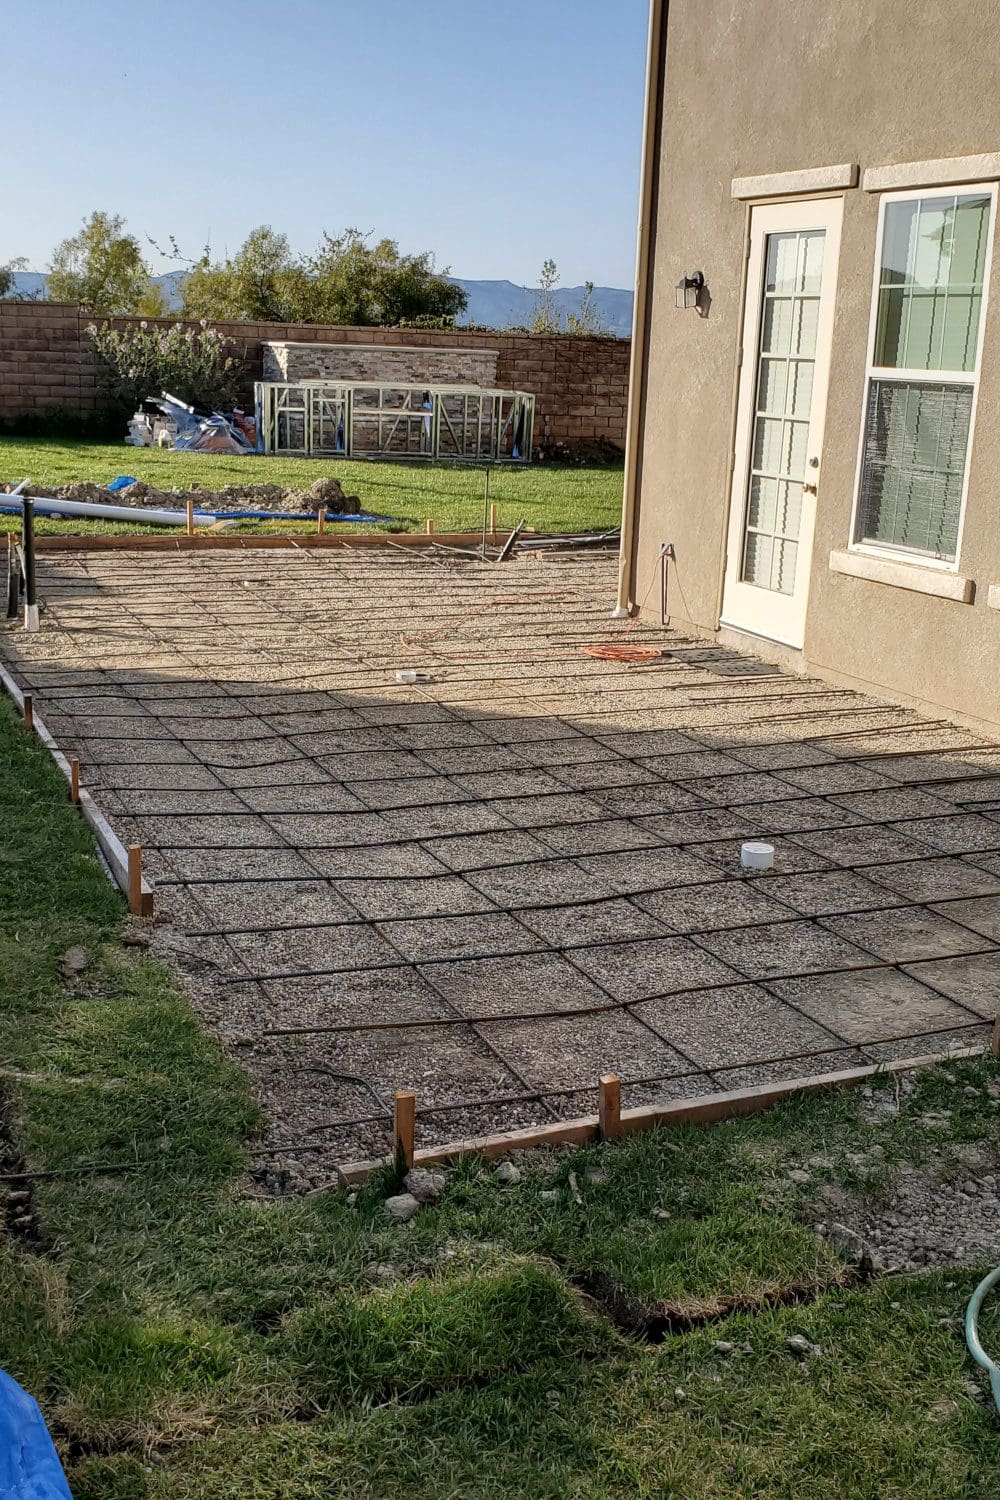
(784, 372)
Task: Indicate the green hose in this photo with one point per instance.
(972, 1332)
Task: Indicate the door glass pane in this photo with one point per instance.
(800, 379)
(785, 364)
(777, 325)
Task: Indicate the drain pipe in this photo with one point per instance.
(658, 10)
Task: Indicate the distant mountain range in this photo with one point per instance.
(492, 304)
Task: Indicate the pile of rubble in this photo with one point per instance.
(322, 494)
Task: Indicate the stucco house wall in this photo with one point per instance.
(754, 90)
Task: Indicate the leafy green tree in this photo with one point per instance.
(263, 282)
(346, 281)
(102, 268)
(546, 317)
(355, 282)
(7, 274)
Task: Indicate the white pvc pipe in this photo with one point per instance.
(99, 512)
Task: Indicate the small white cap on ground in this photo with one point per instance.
(406, 676)
(756, 856)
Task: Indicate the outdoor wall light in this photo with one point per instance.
(689, 289)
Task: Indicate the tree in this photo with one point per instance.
(546, 317)
(587, 323)
(263, 282)
(7, 274)
(374, 284)
(102, 268)
(345, 281)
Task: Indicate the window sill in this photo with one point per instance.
(901, 575)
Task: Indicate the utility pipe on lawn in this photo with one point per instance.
(98, 512)
(656, 52)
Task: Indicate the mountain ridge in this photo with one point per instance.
(492, 304)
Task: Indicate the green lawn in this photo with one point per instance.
(190, 1341)
(549, 497)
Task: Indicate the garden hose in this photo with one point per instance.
(972, 1332)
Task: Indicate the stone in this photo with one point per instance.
(854, 1248)
(802, 1347)
(382, 1271)
(798, 1175)
(74, 961)
(507, 1173)
(425, 1186)
(659, 1213)
(402, 1207)
(549, 1195)
(722, 1346)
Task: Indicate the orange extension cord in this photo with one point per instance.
(623, 653)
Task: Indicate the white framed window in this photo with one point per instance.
(932, 264)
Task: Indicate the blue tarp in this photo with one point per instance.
(29, 1466)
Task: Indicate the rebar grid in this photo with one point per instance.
(559, 739)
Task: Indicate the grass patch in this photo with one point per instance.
(550, 497)
(187, 1339)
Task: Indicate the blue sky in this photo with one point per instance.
(493, 132)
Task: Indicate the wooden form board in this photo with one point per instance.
(178, 541)
(705, 1110)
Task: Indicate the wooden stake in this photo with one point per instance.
(74, 780)
(321, 521)
(29, 712)
(995, 1040)
(190, 518)
(493, 519)
(135, 879)
(430, 526)
(404, 1124)
(609, 1108)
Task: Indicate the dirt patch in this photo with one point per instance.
(326, 494)
(940, 1211)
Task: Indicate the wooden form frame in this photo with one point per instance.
(124, 864)
(178, 541)
(611, 1122)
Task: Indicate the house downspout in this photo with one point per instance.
(640, 312)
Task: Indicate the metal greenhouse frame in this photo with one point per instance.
(375, 419)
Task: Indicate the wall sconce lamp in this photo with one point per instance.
(689, 289)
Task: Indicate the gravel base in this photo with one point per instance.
(529, 829)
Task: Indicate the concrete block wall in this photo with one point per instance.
(580, 385)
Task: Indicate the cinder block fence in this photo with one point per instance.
(580, 384)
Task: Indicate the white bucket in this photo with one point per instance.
(755, 856)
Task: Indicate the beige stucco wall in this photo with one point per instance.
(754, 89)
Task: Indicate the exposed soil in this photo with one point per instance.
(324, 493)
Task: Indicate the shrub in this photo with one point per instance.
(194, 364)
